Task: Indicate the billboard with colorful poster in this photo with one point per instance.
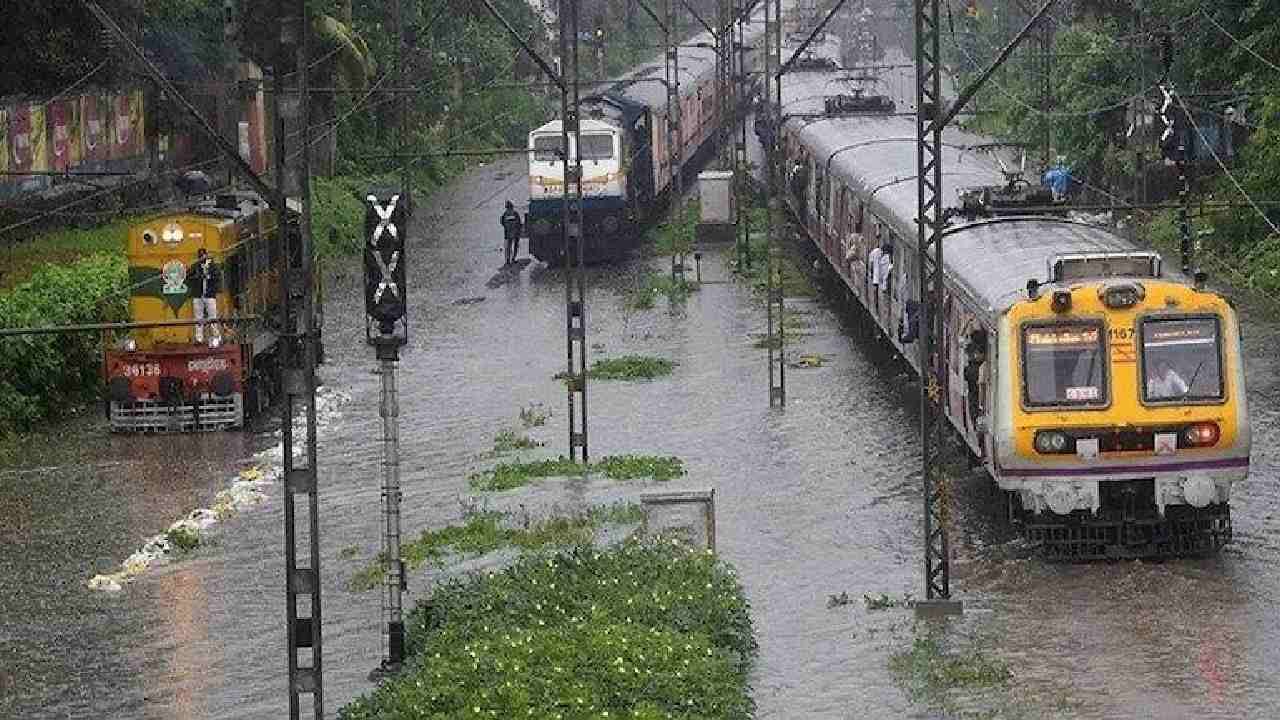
(28, 151)
(126, 124)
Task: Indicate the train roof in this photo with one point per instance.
(640, 84)
(586, 125)
(877, 153)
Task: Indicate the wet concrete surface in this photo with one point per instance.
(814, 500)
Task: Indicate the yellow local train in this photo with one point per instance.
(1104, 393)
(162, 378)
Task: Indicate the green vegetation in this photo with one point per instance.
(49, 376)
(506, 476)
(676, 233)
(487, 531)
(933, 673)
(884, 602)
(791, 278)
(1098, 48)
(183, 538)
(63, 247)
(652, 285)
(535, 415)
(630, 367)
(507, 440)
(632, 467)
(649, 629)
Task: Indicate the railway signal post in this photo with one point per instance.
(385, 303)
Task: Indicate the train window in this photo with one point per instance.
(1181, 360)
(597, 147)
(1064, 364)
(548, 148)
(857, 225)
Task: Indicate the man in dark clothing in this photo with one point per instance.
(511, 227)
(204, 281)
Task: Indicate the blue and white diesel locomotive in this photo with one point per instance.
(626, 160)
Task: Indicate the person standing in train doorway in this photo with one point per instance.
(204, 281)
(511, 228)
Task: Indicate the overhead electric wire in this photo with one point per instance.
(100, 193)
(1237, 41)
(1225, 169)
(74, 85)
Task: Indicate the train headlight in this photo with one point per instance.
(1203, 434)
(1122, 296)
(1052, 442)
(172, 233)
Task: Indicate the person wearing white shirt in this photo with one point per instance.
(1166, 383)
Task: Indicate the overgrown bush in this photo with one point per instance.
(46, 376)
(645, 630)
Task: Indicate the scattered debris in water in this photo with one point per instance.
(808, 360)
(469, 300)
(838, 600)
(185, 535)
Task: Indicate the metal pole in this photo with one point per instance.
(777, 186)
(933, 389)
(675, 134)
(297, 360)
(740, 115)
(394, 581)
(574, 234)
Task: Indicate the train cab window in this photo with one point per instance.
(1064, 364)
(1181, 360)
(597, 147)
(548, 148)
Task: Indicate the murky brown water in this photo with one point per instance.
(814, 500)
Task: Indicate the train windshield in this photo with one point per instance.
(1181, 360)
(1064, 364)
(597, 147)
(548, 148)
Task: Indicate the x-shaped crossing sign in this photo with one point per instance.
(384, 218)
(387, 270)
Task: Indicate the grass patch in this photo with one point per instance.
(487, 531)
(61, 247)
(676, 233)
(653, 285)
(631, 467)
(793, 280)
(933, 673)
(647, 630)
(630, 367)
(885, 602)
(183, 538)
(509, 440)
(535, 415)
(506, 476)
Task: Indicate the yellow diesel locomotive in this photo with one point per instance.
(164, 378)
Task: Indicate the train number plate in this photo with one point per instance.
(141, 370)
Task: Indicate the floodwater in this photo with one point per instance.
(812, 501)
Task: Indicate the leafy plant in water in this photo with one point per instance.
(535, 415)
(507, 441)
(631, 467)
(506, 476)
(630, 367)
(183, 538)
(647, 629)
